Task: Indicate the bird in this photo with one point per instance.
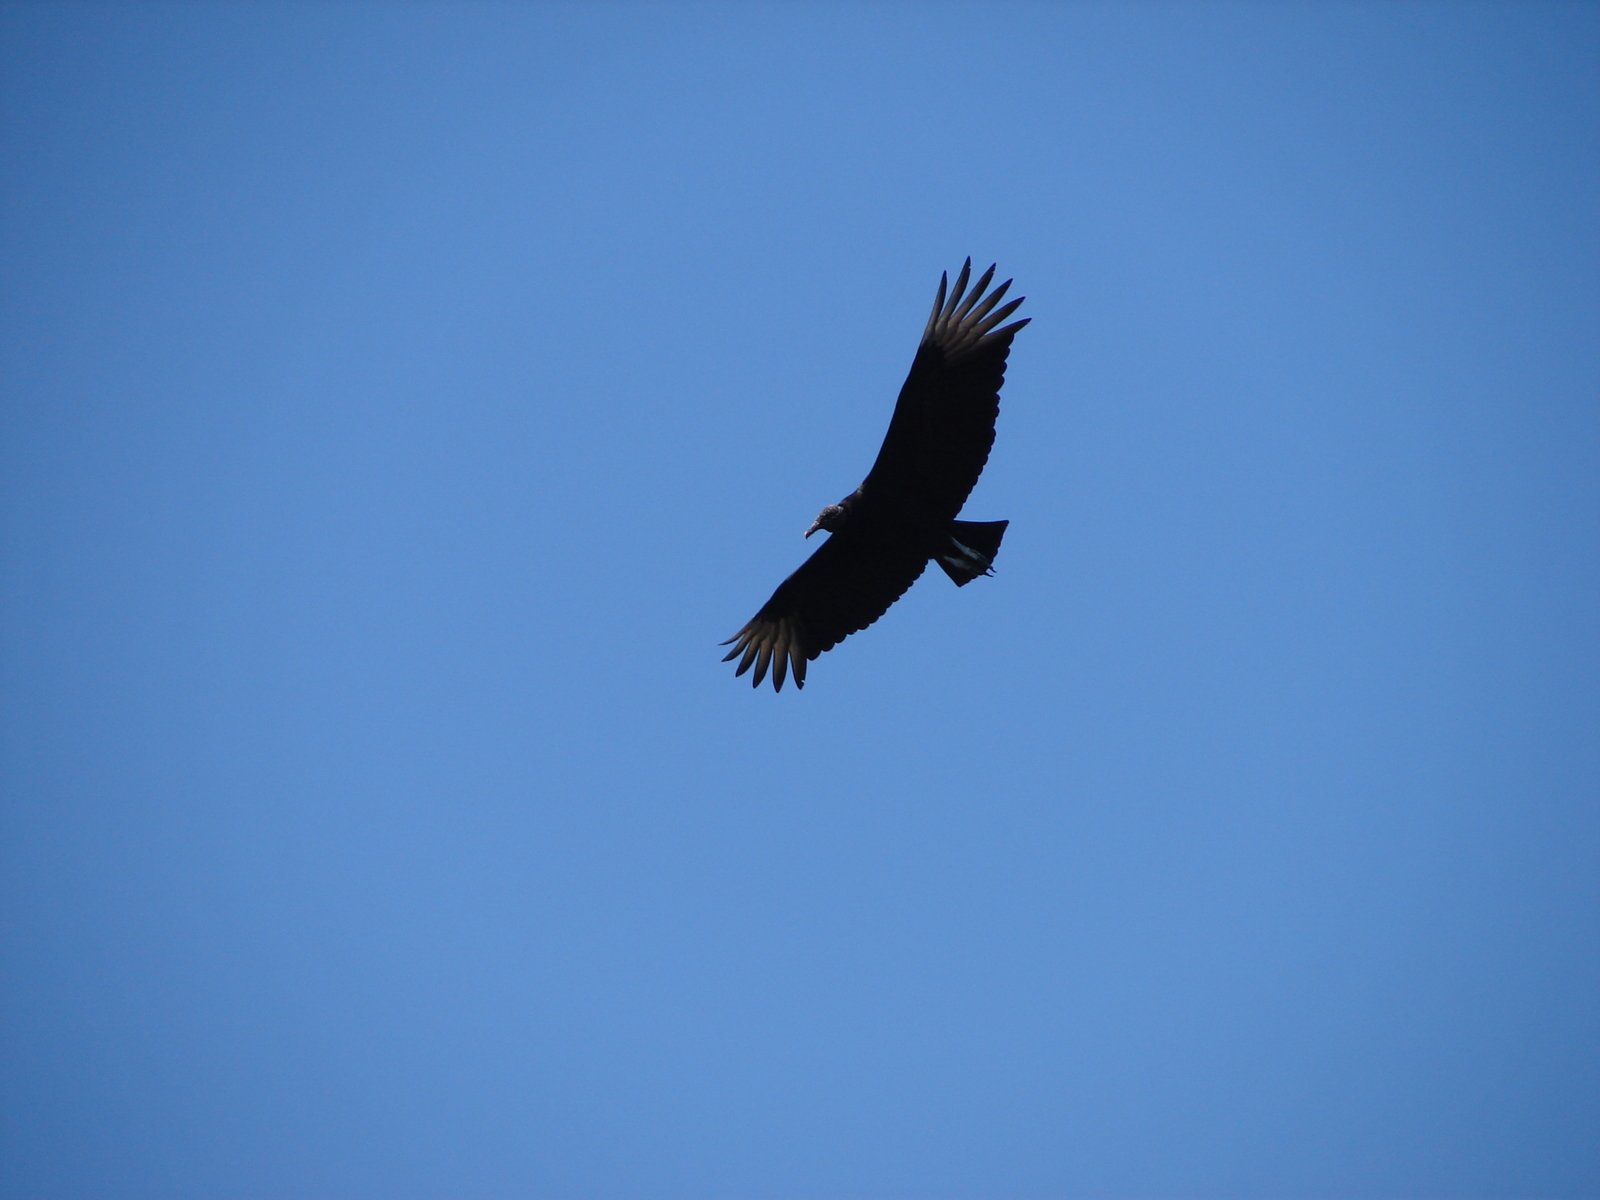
(882, 536)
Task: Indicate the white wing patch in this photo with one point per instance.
(966, 559)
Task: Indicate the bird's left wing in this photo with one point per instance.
(847, 584)
(943, 424)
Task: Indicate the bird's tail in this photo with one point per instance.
(971, 550)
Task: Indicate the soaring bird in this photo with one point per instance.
(884, 534)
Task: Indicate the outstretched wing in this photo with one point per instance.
(847, 584)
(943, 424)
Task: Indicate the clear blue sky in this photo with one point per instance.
(401, 402)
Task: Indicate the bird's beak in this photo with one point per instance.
(815, 525)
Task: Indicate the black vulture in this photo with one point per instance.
(883, 534)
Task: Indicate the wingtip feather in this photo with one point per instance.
(1010, 330)
(989, 302)
(983, 327)
(960, 290)
(975, 294)
(938, 304)
(750, 649)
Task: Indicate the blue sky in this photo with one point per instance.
(401, 402)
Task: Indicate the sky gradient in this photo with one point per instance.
(401, 402)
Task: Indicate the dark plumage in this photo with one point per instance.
(883, 534)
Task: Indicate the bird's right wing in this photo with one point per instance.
(846, 585)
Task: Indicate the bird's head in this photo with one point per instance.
(830, 518)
